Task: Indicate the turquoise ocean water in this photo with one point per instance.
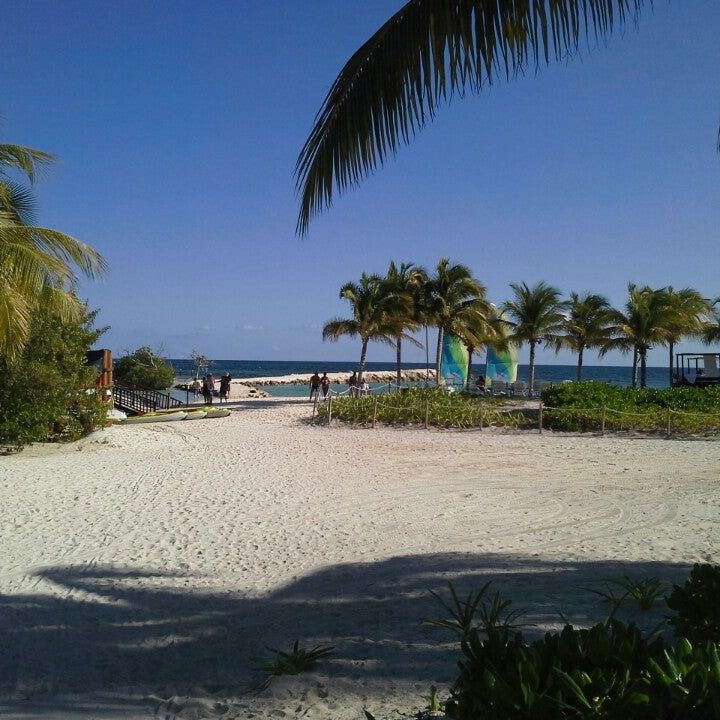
(617, 375)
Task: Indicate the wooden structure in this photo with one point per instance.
(101, 360)
(697, 369)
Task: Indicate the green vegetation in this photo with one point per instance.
(415, 406)
(44, 392)
(645, 592)
(697, 605)
(582, 406)
(144, 369)
(36, 264)
(294, 662)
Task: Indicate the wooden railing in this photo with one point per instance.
(142, 401)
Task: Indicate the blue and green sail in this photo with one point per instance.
(501, 365)
(454, 361)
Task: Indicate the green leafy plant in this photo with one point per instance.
(47, 394)
(461, 612)
(697, 605)
(434, 705)
(144, 369)
(645, 591)
(297, 660)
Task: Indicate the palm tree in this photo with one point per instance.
(644, 323)
(373, 308)
(447, 293)
(426, 53)
(478, 324)
(405, 281)
(587, 325)
(37, 265)
(688, 315)
(711, 328)
(535, 316)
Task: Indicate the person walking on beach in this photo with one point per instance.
(314, 385)
(225, 387)
(195, 387)
(353, 384)
(207, 390)
(325, 384)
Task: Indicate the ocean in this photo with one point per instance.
(617, 375)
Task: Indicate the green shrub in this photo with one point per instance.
(610, 670)
(697, 605)
(410, 407)
(44, 393)
(582, 406)
(145, 370)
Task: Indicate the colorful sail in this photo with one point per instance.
(501, 365)
(454, 362)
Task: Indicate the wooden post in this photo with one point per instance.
(427, 414)
(540, 415)
(375, 412)
(330, 411)
(602, 422)
(481, 416)
(667, 431)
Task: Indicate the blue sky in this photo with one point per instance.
(179, 124)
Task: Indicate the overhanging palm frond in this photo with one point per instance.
(428, 51)
(335, 329)
(17, 203)
(54, 244)
(27, 160)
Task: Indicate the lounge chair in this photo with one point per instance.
(498, 387)
(517, 389)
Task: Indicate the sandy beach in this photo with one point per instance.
(145, 567)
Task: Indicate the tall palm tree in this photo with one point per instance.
(426, 53)
(448, 292)
(536, 316)
(37, 265)
(688, 314)
(587, 325)
(373, 308)
(642, 323)
(405, 281)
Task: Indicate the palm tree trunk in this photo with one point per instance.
(671, 347)
(643, 367)
(427, 357)
(469, 372)
(532, 366)
(438, 354)
(580, 363)
(363, 355)
(634, 366)
(399, 360)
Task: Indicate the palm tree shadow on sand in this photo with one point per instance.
(109, 641)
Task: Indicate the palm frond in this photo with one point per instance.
(17, 204)
(425, 53)
(27, 160)
(335, 329)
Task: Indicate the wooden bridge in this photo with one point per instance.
(136, 401)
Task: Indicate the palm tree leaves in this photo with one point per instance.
(425, 53)
(37, 265)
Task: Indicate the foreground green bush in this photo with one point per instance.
(144, 369)
(582, 406)
(697, 605)
(412, 407)
(43, 394)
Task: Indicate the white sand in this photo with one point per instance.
(143, 568)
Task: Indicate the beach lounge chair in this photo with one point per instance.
(498, 387)
(541, 385)
(517, 389)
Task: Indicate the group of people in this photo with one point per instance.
(205, 386)
(318, 383)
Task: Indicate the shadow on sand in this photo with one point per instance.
(112, 639)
